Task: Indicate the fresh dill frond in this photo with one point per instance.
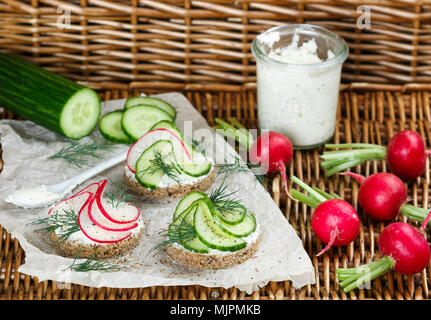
(179, 233)
(118, 194)
(222, 200)
(66, 224)
(93, 265)
(159, 164)
(76, 153)
(228, 169)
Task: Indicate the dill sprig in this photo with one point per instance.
(222, 200)
(179, 233)
(119, 194)
(93, 265)
(159, 164)
(227, 169)
(67, 222)
(76, 153)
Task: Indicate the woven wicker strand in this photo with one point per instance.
(174, 43)
(364, 116)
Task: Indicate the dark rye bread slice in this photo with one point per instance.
(96, 250)
(212, 261)
(176, 191)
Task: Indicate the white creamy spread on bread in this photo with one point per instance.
(183, 179)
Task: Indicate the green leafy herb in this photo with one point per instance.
(66, 224)
(228, 169)
(222, 200)
(119, 194)
(77, 154)
(159, 164)
(179, 233)
(93, 265)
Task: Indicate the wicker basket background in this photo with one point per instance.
(169, 44)
(202, 48)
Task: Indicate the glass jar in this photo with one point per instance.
(298, 77)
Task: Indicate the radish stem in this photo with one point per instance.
(310, 190)
(309, 201)
(416, 214)
(336, 161)
(357, 277)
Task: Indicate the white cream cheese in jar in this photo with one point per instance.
(298, 77)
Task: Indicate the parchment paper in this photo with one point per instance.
(26, 147)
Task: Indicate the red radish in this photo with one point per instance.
(273, 151)
(334, 221)
(148, 139)
(100, 220)
(126, 217)
(381, 195)
(406, 245)
(405, 153)
(92, 188)
(94, 232)
(404, 249)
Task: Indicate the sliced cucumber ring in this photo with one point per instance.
(139, 119)
(145, 174)
(168, 125)
(210, 234)
(110, 127)
(187, 201)
(240, 230)
(231, 217)
(155, 102)
(80, 114)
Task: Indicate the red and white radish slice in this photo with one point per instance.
(91, 188)
(96, 233)
(123, 214)
(99, 219)
(151, 137)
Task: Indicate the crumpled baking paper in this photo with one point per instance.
(26, 146)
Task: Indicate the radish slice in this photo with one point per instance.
(124, 214)
(94, 232)
(91, 188)
(148, 139)
(74, 203)
(100, 220)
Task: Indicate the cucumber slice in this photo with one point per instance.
(210, 234)
(133, 101)
(139, 119)
(197, 166)
(195, 244)
(243, 229)
(110, 127)
(168, 125)
(151, 178)
(187, 215)
(231, 217)
(80, 114)
(187, 201)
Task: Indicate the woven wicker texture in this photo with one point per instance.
(364, 116)
(174, 43)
